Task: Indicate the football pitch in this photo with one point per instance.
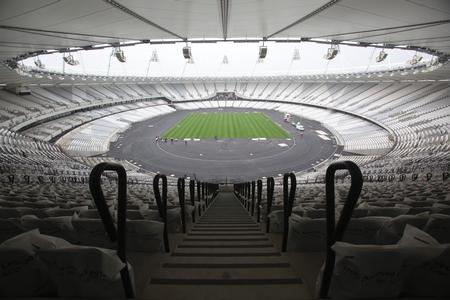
(201, 125)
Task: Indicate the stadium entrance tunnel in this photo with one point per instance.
(221, 157)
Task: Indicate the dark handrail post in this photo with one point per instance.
(161, 201)
(288, 201)
(199, 199)
(336, 234)
(258, 200)
(253, 198)
(181, 195)
(270, 188)
(192, 194)
(244, 194)
(248, 195)
(203, 196)
(105, 214)
(208, 191)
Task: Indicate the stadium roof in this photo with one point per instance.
(28, 26)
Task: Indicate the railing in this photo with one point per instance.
(114, 234)
(204, 204)
(258, 200)
(288, 201)
(199, 199)
(270, 188)
(253, 198)
(192, 196)
(248, 185)
(336, 233)
(161, 201)
(181, 196)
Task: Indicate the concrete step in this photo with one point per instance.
(246, 233)
(226, 226)
(225, 243)
(225, 222)
(226, 218)
(245, 229)
(225, 239)
(234, 265)
(225, 292)
(234, 246)
(216, 274)
(224, 260)
(230, 250)
(224, 254)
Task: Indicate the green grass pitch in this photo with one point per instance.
(226, 125)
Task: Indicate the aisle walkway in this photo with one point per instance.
(226, 255)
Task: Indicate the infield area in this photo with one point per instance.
(201, 125)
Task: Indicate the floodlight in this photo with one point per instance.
(187, 52)
(38, 63)
(415, 59)
(332, 52)
(262, 52)
(120, 55)
(381, 56)
(70, 60)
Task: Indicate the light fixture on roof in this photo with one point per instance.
(154, 57)
(415, 59)
(119, 54)
(38, 63)
(262, 51)
(187, 51)
(381, 56)
(225, 60)
(296, 55)
(332, 52)
(70, 60)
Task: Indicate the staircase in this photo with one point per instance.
(225, 255)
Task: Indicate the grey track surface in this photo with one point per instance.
(228, 160)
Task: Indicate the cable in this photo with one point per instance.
(381, 29)
(53, 35)
(391, 32)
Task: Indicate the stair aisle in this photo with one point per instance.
(225, 255)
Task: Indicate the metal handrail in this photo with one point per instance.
(207, 191)
(181, 195)
(114, 234)
(161, 201)
(253, 198)
(192, 195)
(270, 189)
(199, 199)
(288, 201)
(248, 195)
(336, 233)
(258, 200)
(203, 196)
